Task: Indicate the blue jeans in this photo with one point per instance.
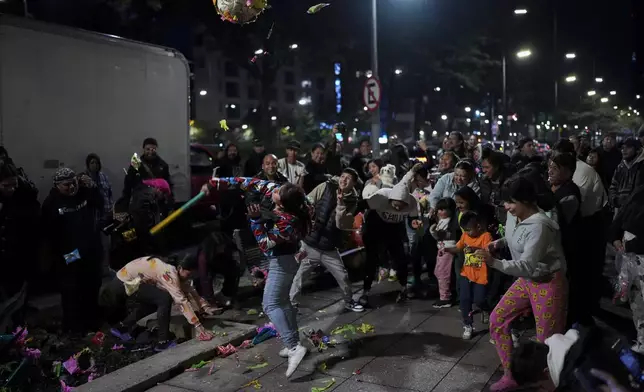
(277, 303)
(471, 293)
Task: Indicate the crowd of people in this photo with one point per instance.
(504, 237)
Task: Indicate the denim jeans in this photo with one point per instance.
(277, 302)
(471, 293)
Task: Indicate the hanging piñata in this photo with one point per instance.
(240, 11)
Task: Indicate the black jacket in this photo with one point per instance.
(315, 175)
(150, 169)
(630, 218)
(69, 223)
(19, 238)
(491, 192)
(358, 163)
(608, 162)
(324, 234)
(627, 177)
(253, 164)
(568, 198)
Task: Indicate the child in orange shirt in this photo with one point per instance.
(473, 279)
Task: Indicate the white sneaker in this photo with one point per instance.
(295, 356)
(638, 348)
(354, 306)
(283, 352)
(467, 332)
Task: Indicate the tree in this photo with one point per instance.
(458, 68)
(593, 113)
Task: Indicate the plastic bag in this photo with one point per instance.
(629, 268)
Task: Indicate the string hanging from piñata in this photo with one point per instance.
(240, 11)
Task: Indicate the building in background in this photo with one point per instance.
(225, 90)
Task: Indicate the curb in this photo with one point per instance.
(147, 373)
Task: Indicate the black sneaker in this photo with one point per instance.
(443, 303)
(353, 306)
(364, 301)
(164, 345)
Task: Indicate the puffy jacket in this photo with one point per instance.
(327, 228)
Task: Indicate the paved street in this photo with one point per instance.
(414, 348)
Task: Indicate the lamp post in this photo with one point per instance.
(522, 54)
(375, 116)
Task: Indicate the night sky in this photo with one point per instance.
(601, 33)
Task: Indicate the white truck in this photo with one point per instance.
(65, 93)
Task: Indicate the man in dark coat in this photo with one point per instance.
(610, 158)
(73, 239)
(19, 239)
(254, 163)
(151, 167)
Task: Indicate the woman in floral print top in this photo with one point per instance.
(279, 240)
(174, 280)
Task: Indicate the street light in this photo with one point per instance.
(591, 93)
(274, 118)
(570, 56)
(571, 79)
(615, 107)
(599, 80)
(520, 11)
(444, 117)
(375, 116)
(203, 92)
(398, 71)
(244, 126)
(521, 55)
(437, 89)
(613, 92)
(524, 53)
(259, 51)
(604, 100)
(294, 46)
(468, 109)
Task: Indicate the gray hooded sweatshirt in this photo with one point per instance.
(535, 246)
(380, 201)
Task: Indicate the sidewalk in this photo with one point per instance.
(414, 348)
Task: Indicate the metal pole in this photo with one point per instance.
(504, 109)
(375, 116)
(554, 39)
